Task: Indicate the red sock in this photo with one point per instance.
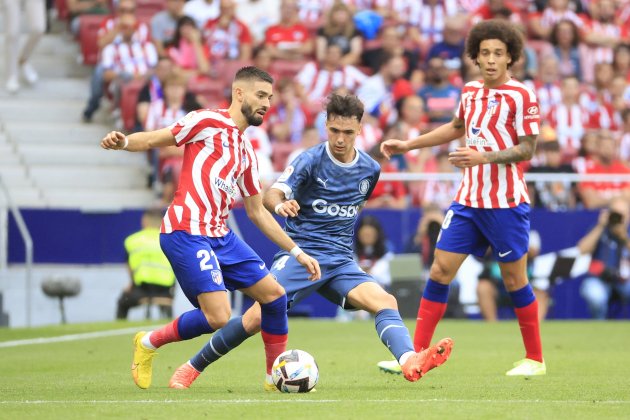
(530, 330)
(166, 334)
(274, 345)
(429, 314)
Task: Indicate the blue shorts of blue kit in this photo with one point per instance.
(469, 230)
(340, 274)
(203, 264)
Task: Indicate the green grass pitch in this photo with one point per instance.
(588, 376)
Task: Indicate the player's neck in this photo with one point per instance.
(493, 84)
(238, 118)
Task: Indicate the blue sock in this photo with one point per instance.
(437, 292)
(224, 340)
(192, 324)
(392, 332)
(273, 316)
(523, 297)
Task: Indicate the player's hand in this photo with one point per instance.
(311, 265)
(393, 147)
(464, 157)
(288, 208)
(114, 140)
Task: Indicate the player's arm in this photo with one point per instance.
(443, 134)
(138, 142)
(275, 202)
(272, 230)
(465, 157)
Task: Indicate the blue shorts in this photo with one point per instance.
(340, 274)
(469, 230)
(203, 264)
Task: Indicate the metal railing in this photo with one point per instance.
(28, 245)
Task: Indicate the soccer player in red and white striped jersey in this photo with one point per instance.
(207, 257)
(499, 118)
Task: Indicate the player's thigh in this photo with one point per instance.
(514, 273)
(445, 265)
(265, 290)
(293, 277)
(343, 277)
(242, 268)
(460, 234)
(216, 307)
(194, 263)
(251, 319)
(507, 231)
(371, 297)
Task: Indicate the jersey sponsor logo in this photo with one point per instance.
(333, 209)
(476, 131)
(224, 186)
(364, 186)
(217, 277)
(286, 174)
(532, 110)
(477, 141)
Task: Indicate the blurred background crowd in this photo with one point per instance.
(155, 60)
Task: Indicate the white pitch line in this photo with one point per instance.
(72, 337)
(302, 401)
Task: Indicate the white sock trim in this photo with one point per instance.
(146, 342)
(403, 359)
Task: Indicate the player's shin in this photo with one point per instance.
(393, 333)
(274, 326)
(526, 309)
(224, 340)
(189, 325)
(431, 311)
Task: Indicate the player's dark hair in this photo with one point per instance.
(347, 106)
(253, 73)
(495, 29)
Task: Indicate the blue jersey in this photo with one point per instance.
(330, 194)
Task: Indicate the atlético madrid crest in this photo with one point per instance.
(217, 277)
(364, 186)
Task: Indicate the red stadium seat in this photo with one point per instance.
(88, 37)
(128, 102)
(145, 9)
(213, 91)
(287, 68)
(226, 69)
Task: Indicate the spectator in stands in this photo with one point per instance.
(391, 43)
(546, 85)
(440, 192)
(597, 194)
(587, 154)
(497, 9)
(227, 37)
(553, 195)
(76, 8)
(128, 59)
(598, 99)
(427, 20)
(372, 250)
(401, 12)
(258, 16)
(110, 30)
(287, 117)
(603, 34)
(289, 39)
(310, 138)
(202, 11)
(379, 92)
(621, 61)
(312, 12)
(261, 58)
(541, 23)
(624, 141)
(607, 243)
(386, 194)
(187, 49)
(491, 291)
(17, 58)
(317, 80)
(568, 118)
(338, 29)
(150, 272)
(565, 39)
(439, 95)
(164, 24)
(451, 47)
(426, 234)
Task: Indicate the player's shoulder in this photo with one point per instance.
(219, 118)
(369, 161)
(473, 85)
(517, 85)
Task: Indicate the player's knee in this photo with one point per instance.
(514, 282)
(389, 301)
(219, 319)
(441, 273)
(277, 292)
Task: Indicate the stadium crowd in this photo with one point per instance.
(158, 59)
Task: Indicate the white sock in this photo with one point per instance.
(268, 378)
(146, 342)
(403, 359)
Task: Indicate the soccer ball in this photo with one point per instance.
(295, 371)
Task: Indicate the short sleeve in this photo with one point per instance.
(295, 175)
(527, 115)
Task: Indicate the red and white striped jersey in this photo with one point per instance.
(494, 120)
(318, 83)
(142, 33)
(549, 17)
(312, 11)
(133, 58)
(430, 19)
(549, 95)
(605, 54)
(160, 115)
(569, 122)
(218, 162)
